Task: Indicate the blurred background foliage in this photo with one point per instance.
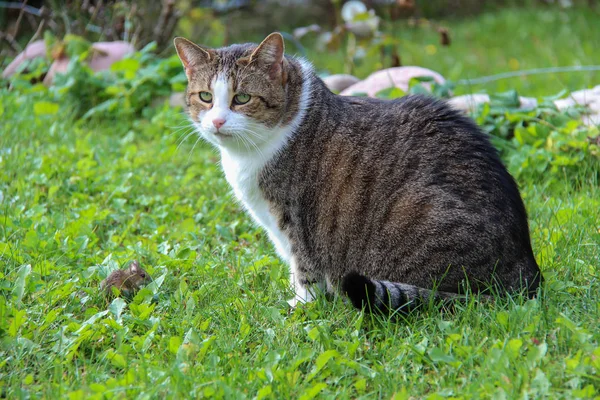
(461, 39)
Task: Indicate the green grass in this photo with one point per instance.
(495, 42)
(78, 199)
(82, 198)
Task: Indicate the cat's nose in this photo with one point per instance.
(218, 122)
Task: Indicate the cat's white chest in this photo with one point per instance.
(242, 173)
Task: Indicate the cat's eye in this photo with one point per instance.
(206, 97)
(241, 98)
(143, 275)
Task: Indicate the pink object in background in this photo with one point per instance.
(35, 49)
(338, 82)
(391, 77)
(104, 55)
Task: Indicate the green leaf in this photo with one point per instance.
(184, 253)
(188, 225)
(129, 66)
(114, 90)
(418, 89)
(49, 319)
(401, 395)
(116, 307)
(76, 45)
(107, 105)
(360, 385)
(206, 346)
(324, 357)
(437, 355)
(536, 353)
(313, 391)
(77, 395)
(264, 392)
(506, 99)
(19, 287)
(97, 388)
(313, 334)
(18, 320)
(116, 359)
(45, 108)
(557, 96)
(502, 318)
(513, 348)
(156, 283)
(588, 392)
(149, 48)
(174, 343)
(390, 93)
(417, 79)
(92, 320)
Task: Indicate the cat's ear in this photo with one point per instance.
(191, 54)
(269, 55)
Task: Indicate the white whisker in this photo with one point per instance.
(190, 133)
(181, 129)
(178, 128)
(193, 147)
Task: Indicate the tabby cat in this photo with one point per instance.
(389, 202)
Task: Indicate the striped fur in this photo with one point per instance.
(390, 297)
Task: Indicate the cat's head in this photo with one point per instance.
(240, 96)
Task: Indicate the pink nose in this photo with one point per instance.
(218, 122)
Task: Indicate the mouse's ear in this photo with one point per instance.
(134, 267)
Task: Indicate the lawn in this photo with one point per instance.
(503, 40)
(81, 197)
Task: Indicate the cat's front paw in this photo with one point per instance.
(293, 302)
(301, 299)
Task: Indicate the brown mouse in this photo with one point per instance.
(127, 280)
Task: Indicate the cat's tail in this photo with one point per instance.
(388, 296)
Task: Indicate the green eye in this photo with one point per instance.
(206, 97)
(241, 98)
